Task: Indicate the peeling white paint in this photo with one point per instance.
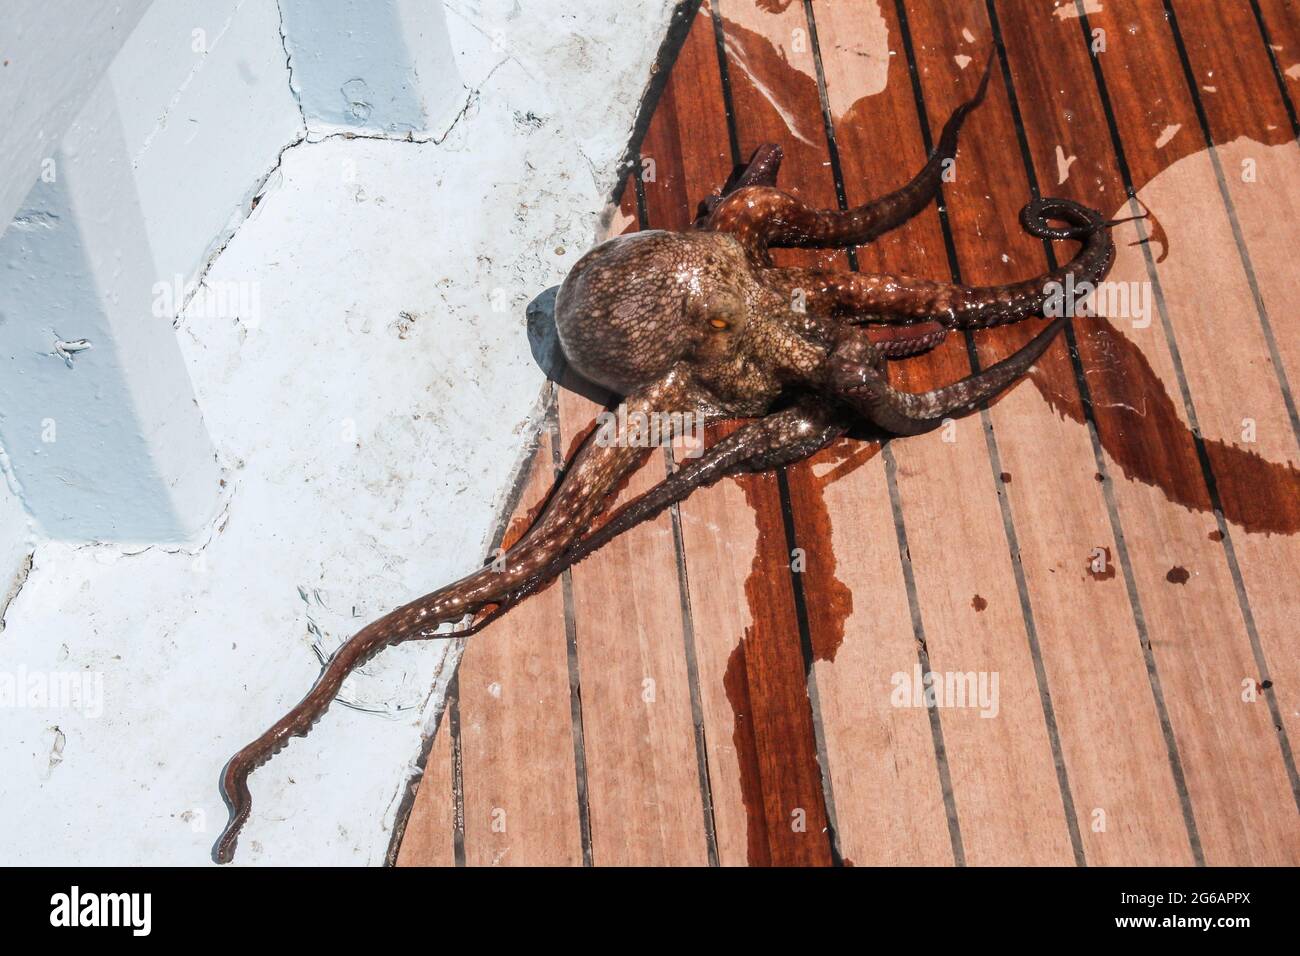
(1166, 134)
(16, 542)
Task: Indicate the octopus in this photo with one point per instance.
(700, 322)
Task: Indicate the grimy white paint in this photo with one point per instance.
(325, 428)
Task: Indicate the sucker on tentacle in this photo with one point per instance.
(860, 380)
(896, 342)
(699, 322)
(905, 299)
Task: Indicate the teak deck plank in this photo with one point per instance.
(768, 805)
(516, 740)
(1046, 548)
(1123, 775)
(1007, 798)
(1085, 637)
(643, 783)
(429, 837)
(1245, 113)
(1199, 630)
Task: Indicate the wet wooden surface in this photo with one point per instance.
(1109, 552)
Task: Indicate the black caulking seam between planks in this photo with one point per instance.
(1180, 375)
(402, 817)
(688, 619)
(575, 681)
(457, 770)
(891, 479)
(1243, 595)
(787, 517)
(1277, 68)
(693, 680)
(679, 28)
(1238, 237)
(724, 72)
(995, 460)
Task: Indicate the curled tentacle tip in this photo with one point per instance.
(223, 851)
(1037, 214)
(988, 72)
(233, 786)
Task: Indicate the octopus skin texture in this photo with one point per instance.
(701, 322)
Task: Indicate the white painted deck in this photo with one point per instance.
(354, 362)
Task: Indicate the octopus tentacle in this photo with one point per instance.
(857, 378)
(772, 441)
(584, 490)
(906, 341)
(762, 169)
(763, 216)
(886, 298)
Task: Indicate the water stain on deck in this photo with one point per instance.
(1142, 416)
(770, 794)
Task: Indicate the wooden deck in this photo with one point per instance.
(1114, 542)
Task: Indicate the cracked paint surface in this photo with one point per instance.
(368, 420)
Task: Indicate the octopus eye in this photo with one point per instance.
(720, 323)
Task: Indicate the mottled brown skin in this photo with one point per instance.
(701, 321)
